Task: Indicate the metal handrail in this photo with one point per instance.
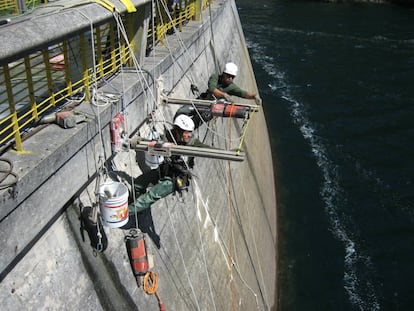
(43, 80)
(46, 79)
(15, 7)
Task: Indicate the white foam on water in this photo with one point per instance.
(334, 197)
(360, 291)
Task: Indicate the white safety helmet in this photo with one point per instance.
(231, 69)
(184, 122)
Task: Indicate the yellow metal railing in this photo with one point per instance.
(8, 7)
(15, 7)
(33, 85)
(184, 12)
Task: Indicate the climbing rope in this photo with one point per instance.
(252, 231)
(97, 99)
(151, 279)
(243, 136)
(210, 219)
(182, 257)
(180, 40)
(232, 264)
(203, 252)
(191, 78)
(140, 72)
(213, 44)
(231, 237)
(230, 185)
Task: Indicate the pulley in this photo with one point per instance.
(91, 223)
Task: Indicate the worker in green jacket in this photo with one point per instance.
(173, 173)
(220, 87)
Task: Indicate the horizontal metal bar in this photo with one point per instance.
(200, 102)
(185, 101)
(193, 151)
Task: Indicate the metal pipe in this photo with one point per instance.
(191, 151)
(200, 102)
(185, 101)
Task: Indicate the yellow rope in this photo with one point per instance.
(244, 133)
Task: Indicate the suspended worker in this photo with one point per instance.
(172, 174)
(220, 87)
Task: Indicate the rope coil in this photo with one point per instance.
(150, 284)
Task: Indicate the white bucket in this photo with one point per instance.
(153, 161)
(113, 201)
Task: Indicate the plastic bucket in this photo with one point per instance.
(113, 201)
(153, 161)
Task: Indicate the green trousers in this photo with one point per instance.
(149, 188)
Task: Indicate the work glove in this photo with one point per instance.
(258, 100)
(228, 97)
(134, 141)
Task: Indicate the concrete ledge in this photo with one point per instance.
(52, 23)
(45, 265)
(54, 153)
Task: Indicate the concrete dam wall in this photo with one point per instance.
(214, 248)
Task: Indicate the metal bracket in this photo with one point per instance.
(159, 151)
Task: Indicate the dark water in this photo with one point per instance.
(337, 81)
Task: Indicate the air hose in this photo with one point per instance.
(150, 284)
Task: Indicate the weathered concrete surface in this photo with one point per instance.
(28, 32)
(214, 248)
